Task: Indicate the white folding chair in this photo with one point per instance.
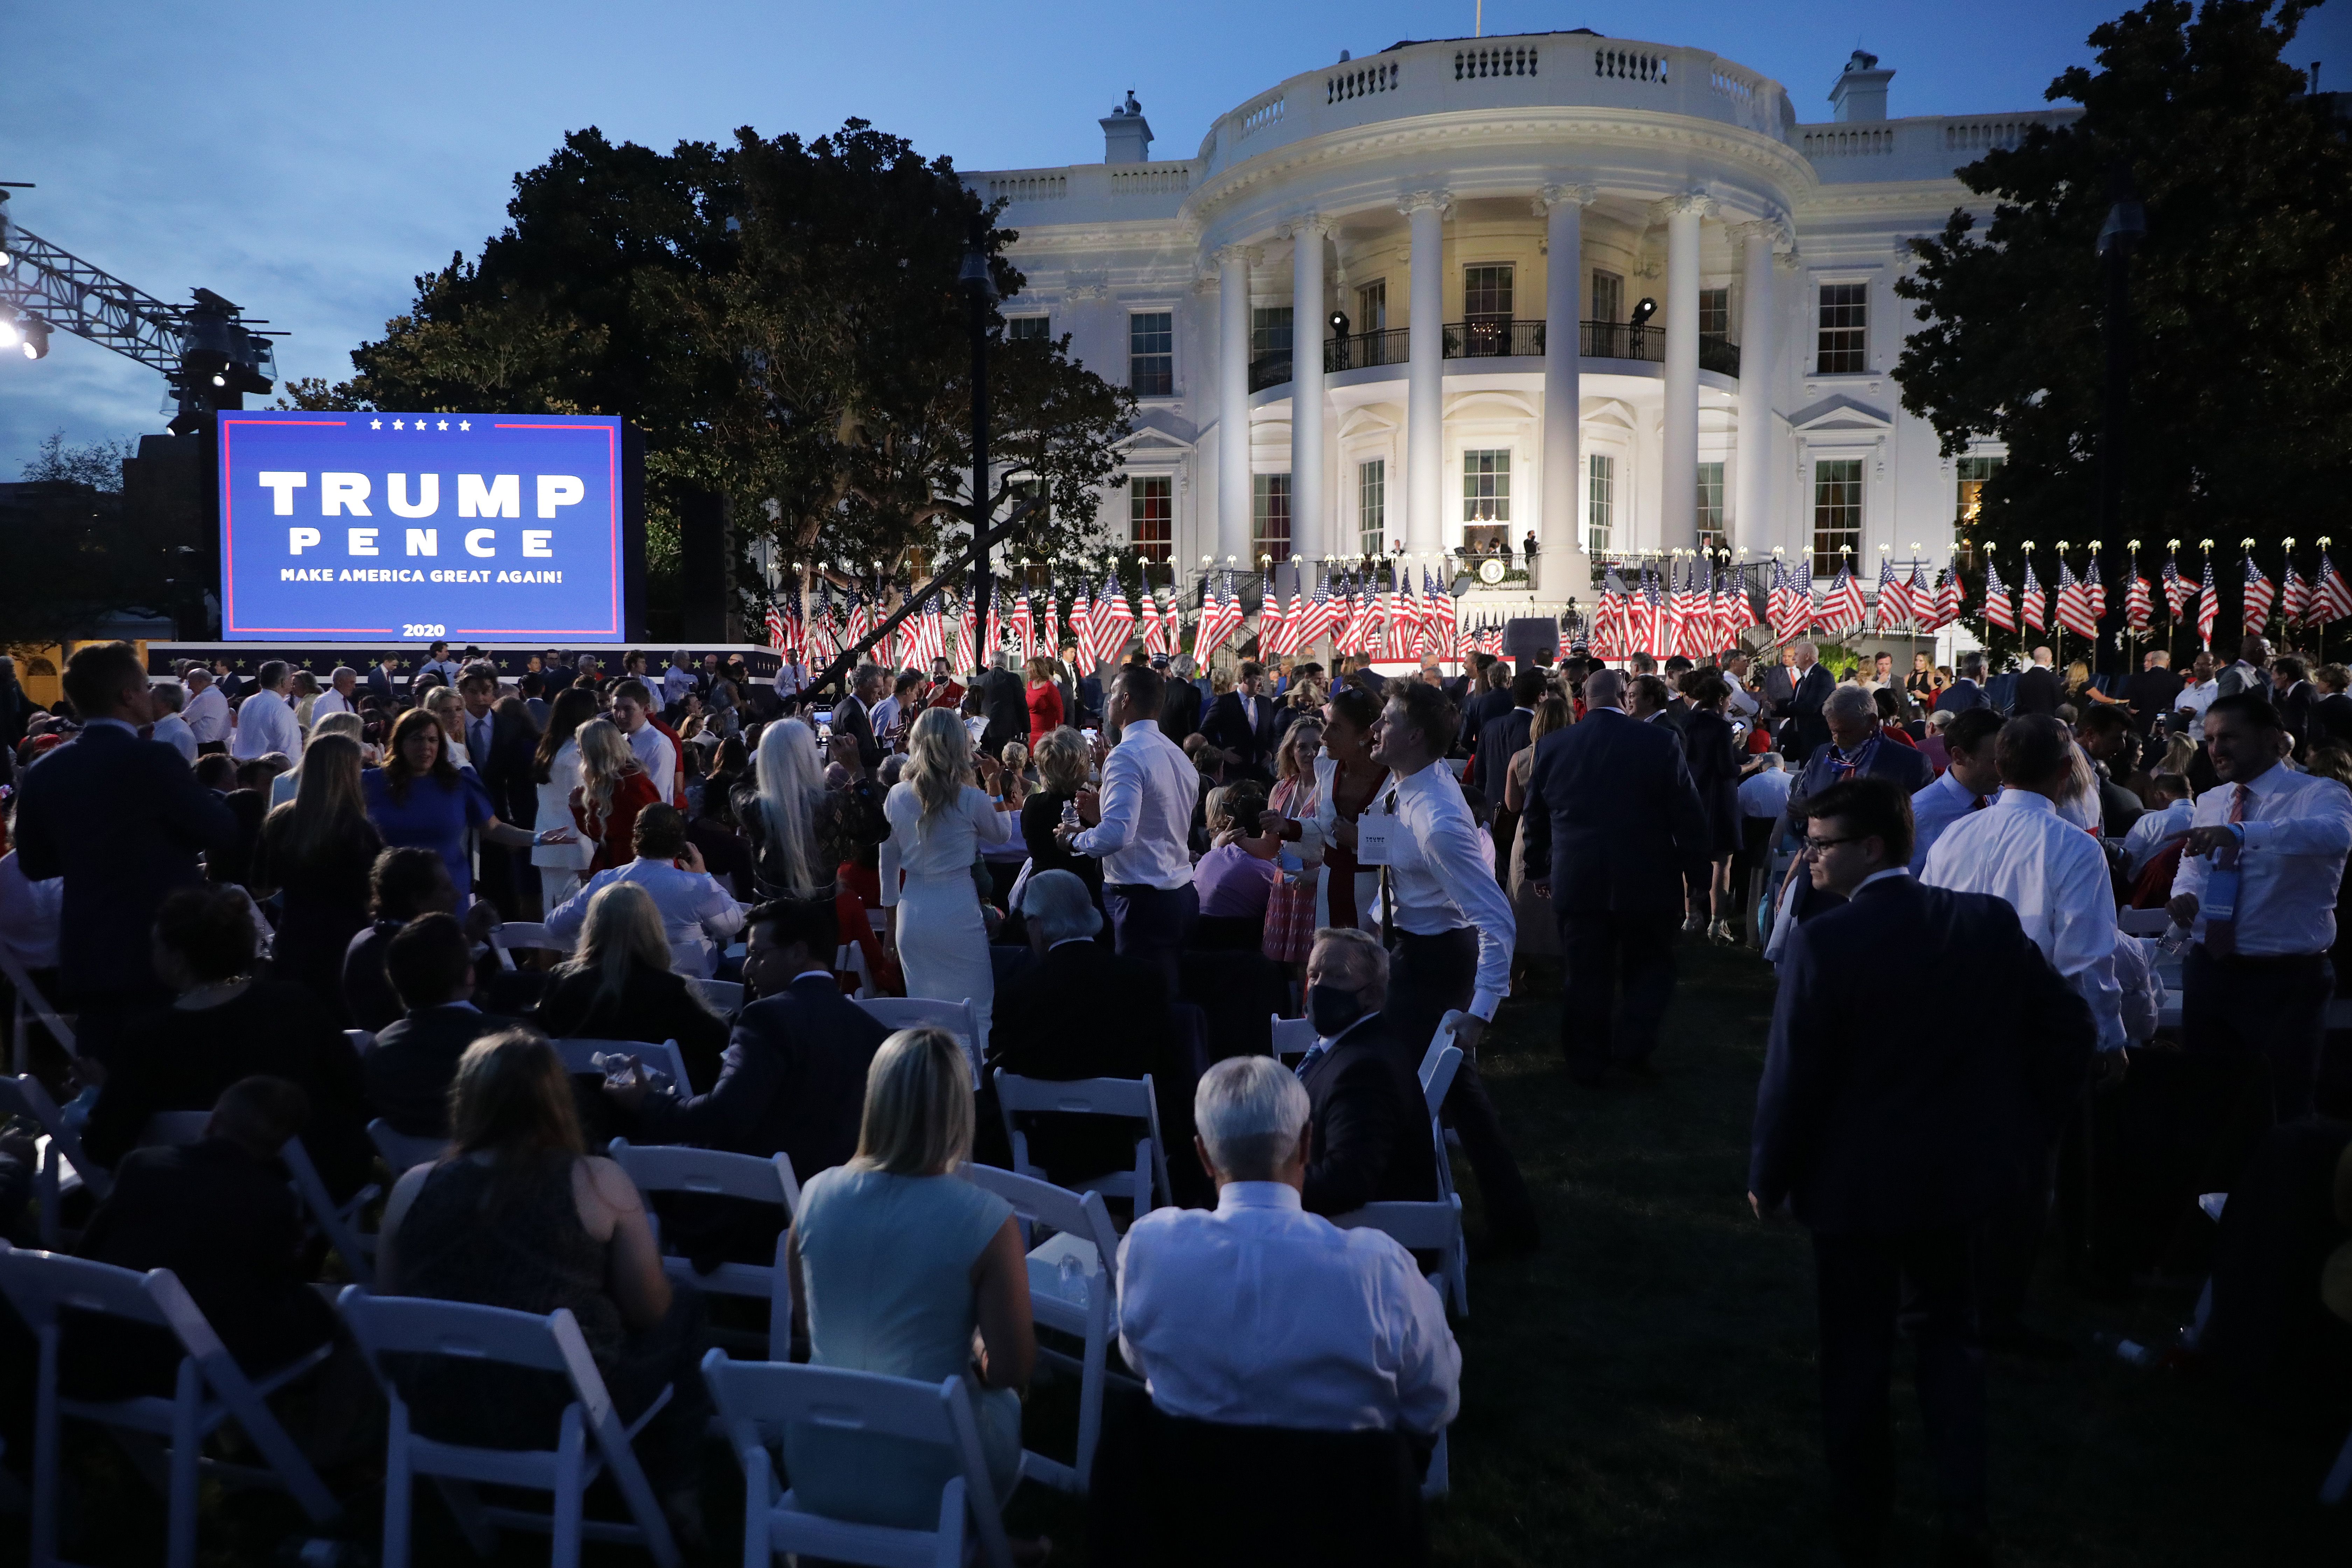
(753, 1394)
(674, 1168)
(1080, 1306)
(362, 1040)
(403, 1150)
(580, 1058)
(722, 997)
(28, 1002)
(895, 1013)
(510, 937)
(338, 1223)
(2143, 923)
(209, 1391)
(1129, 1099)
(850, 959)
(1293, 1038)
(1422, 1227)
(593, 1441)
(63, 1166)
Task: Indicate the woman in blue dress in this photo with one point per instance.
(420, 798)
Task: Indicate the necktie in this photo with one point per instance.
(1980, 805)
(2222, 936)
(1314, 1053)
(1388, 887)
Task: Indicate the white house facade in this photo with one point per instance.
(1615, 295)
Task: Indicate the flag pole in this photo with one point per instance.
(2320, 617)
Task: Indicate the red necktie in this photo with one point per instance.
(1980, 805)
(2222, 936)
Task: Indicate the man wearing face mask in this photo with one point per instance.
(1372, 1139)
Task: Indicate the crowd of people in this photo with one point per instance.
(285, 906)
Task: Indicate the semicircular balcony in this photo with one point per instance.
(1503, 345)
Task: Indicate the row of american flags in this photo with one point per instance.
(1376, 612)
(2081, 601)
(1695, 609)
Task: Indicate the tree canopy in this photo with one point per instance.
(2241, 295)
(782, 318)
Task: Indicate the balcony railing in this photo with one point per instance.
(1498, 338)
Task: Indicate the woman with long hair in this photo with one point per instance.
(518, 1214)
(555, 770)
(1044, 695)
(1538, 932)
(317, 851)
(938, 820)
(900, 1263)
(445, 705)
(1714, 757)
(420, 797)
(1346, 780)
(612, 790)
(782, 809)
(1063, 761)
(1290, 908)
(618, 985)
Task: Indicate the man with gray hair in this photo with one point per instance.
(265, 720)
(853, 715)
(1258, 1312)
(170, 728)
(1372, 1139)
(338, 697)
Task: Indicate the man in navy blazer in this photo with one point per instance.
(1891, 1144)
(1241, 724)
(1967, 692)
(122, 820)
(1614, 815)
(1809, 685)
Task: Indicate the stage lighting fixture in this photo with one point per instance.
(1645, 310)
(10, 334)
(37, 338)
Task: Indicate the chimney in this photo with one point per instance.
(1126, 135)
(1861, 90)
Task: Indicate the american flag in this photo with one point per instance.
(2030, 603)
(935, 629)
(1154, 640)
(2331, 597)
(2075, 603)
(1024, 631)
(1490, 639)
(853, 632)
(2260, 596)
(1313, 621)
(1269, 618)
(1082, 631)
(1947, 597)
(1998, 610)
(1923, 598)
(2095, 583)
(1893, 598)
(2177, 594)
(1113, 617)
(1842, 607)
(1739, 609)
(1699, 613)
(2295, 595)
(1660, 642)
(2139, 606)
(1437, 599)
(1221, 618)
(970, 645)
(1779, 604)
(1382, 616)
(1049, 624)
(1405, 630)
(775, 626)
(1609, 620)
(994, 634)
(2209, 604)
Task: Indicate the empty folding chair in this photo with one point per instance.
(753, 1396)
(1145, 1188)
(63, 1166)
(29, 1003)
(1071, 1290)
(510, 937)
(674, 1168)
(338, 1223)
(209, 1390)
(895, 1013)
(1293, 1038)
(592, 1440)
(722, 997)
(403, 1150)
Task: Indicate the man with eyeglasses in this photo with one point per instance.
(1893, 1148)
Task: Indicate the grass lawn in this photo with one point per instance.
(1643, 1391)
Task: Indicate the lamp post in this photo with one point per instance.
(2126, 226)
(979, 289)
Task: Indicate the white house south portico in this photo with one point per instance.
(1610, 296)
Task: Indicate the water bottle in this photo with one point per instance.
(2174, 942)
(1072, 1282)
(1070, 816)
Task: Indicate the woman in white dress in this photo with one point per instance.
(556, 771)
(938, 823)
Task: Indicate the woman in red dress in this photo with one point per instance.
(612, 790)
(1044, 697)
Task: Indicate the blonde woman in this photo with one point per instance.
(1538, 930)
(448, 709)
(1063, 761)
(900, 1261)
(612, 790)
(938, 821)
(618, 985)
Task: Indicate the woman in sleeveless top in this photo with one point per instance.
(938, 823)
(517, 1216)
(1290, 908)
(1346, 780)
(898, 1260)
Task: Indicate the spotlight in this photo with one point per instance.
(37, 338)
(10, 334)
(1645, 310)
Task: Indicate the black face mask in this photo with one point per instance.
(1332, 1010)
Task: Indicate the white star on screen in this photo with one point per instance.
(442, 426)
(375, 424)
(465, 424)
(397, 425)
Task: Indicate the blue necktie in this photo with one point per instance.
(1314, 1053)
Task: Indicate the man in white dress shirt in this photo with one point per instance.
(1259, 1314)
(2197, 693)
(339, 696)
(2259, 980)
(1965, 786)
(2055, 875)
(631, 711)
(1139, 826)
(170, 728)
(2171, 818)
(265, 720)
(697, 914)
(207, 711)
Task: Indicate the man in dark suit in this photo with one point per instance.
(408, 1070)
(1006, 702)
(2153, 691)
(1809, 687)
(121, 820)
(2038, 690)
(219, 1214)
(2331, 716)
(1081, 1011)
(1856, 748)
(1650, 700)
(1490, 699)
(1613, 820)
(379, 680)
(1500, 739)
(1180, 710)
(1372, 1139)
(1241, 724)
(1890, 1144)
(793, 1078)
(853, 715)
(2250, 673)
(2294, 696)
(1966, 690)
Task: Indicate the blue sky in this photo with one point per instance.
(308, 161)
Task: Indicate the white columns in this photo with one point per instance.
(1750, 528)
(1563, 208)
(1232, 402)
(1678, 476)
(1425, 444)
(1309, 508)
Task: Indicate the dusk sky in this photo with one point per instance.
(308, 161)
